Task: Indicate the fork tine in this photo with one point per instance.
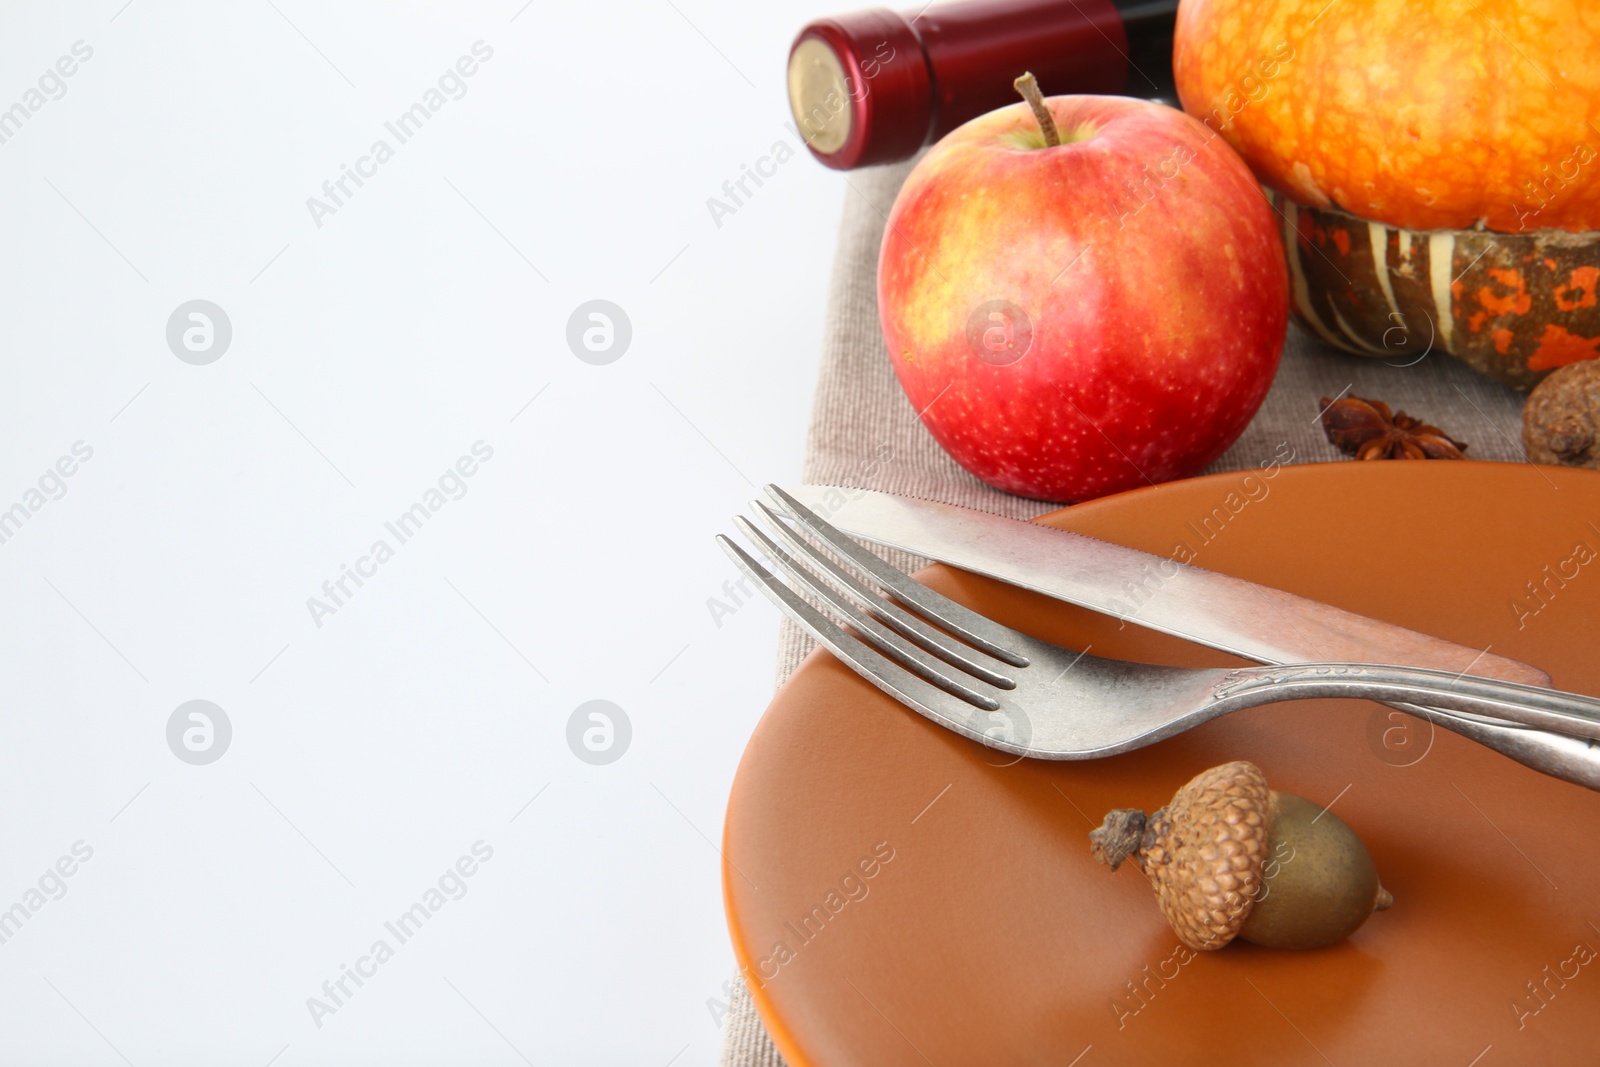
(902, 622)
(882, 672)
(871, 632)
(986, 634)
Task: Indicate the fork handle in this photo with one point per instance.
(1530, 706)
(1559, 754)
(1572, 759)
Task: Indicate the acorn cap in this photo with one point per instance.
(1204, 852)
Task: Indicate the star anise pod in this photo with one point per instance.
(1366, 429)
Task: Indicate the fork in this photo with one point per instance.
(1018, 694)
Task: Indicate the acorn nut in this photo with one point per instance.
(1229, 857)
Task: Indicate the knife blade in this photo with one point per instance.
(1220, 611)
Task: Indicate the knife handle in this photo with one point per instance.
(1572, 759)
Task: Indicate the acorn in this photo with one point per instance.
(1229, 857)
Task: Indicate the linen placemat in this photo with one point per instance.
(865, 434)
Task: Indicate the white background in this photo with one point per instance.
(368, 354)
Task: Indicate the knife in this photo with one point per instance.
(1230, 614)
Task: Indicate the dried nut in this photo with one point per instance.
(1561, 420)
(1229, 857)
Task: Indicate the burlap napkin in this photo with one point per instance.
(864, 433)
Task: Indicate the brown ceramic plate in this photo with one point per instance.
(986, 935)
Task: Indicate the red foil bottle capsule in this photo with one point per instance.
(875, 86)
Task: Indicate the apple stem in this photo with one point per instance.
(1028, 86)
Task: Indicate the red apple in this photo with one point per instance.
(1076, 319)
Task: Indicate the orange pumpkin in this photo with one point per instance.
(1435, 164)
(1422, 114)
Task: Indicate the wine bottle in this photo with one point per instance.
(874, 86)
